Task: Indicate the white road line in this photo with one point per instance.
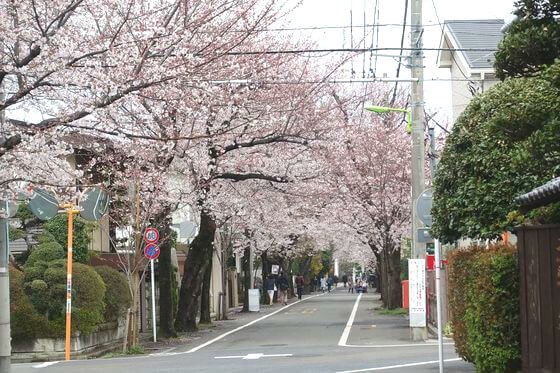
(244, 326)
(252, 356)
(346, 332)
(397, 345)
(396, 366)
(45, 364)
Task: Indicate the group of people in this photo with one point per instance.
(326, 284)
(281, 284)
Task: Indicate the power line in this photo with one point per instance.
(321, 28)
(452, 54)
(401, 52)
(356, 50)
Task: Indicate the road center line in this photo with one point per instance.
(244, 326)
(396, 366)
(346, 332)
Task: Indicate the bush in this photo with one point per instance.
(484, 305)
(46, 251)
(58, 227)
(44, 285)
(117, 297)
(88, 292)
(25, 322)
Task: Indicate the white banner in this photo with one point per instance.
(275, 269)
(417, 292)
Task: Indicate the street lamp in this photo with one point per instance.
(384, 109)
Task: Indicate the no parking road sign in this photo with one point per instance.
(151, 235)
(151, 251)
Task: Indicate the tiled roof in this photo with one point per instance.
(477, 34)
(541, 196)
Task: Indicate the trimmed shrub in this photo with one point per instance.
(58, 228)
(88, 292)
(44, 284)
(45, 252)
(484, 304)
(25, 322)
(117, 297)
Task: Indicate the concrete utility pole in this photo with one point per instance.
(417, 114)
(5, 339)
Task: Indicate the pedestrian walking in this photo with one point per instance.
(323, 284)
(345, 280)
(350, 286)
(270, 288)
(283, 286)
(329, 283)
(299, 285)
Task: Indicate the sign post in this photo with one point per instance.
(424, 209)
(151, 251)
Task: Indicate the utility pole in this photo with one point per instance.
(5, 335)
(5, 339)
(417, 116)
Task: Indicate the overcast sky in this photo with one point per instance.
(319, 13)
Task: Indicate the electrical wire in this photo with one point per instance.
(364, 41)
(376, 21)
(401, 52)
(356, 50)
(452, 54)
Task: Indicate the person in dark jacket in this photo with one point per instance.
(283, 286)
(299, 285)
(270, 288)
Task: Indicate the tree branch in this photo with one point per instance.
(251, 176)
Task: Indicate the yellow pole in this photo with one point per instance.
(70, 210)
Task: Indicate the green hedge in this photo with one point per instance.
(26, 322)
(484, 305)
(117, 297)
(40, 291)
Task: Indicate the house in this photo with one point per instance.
(468, 52)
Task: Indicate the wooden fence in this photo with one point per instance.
(539, 268)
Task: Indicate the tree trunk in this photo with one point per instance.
(167, 285)
(194, 270)
(205, 296)
(246, 278)
(265, 275)
(306, 273)
(381, 270)
(393, 297)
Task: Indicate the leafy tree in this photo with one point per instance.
(504, 144)
(58, 227)
(532, 42)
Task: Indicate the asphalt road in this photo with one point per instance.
(313, 335)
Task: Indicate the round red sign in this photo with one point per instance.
(151, 251)
(151, 235)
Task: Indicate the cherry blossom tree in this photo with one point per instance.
(370, 168)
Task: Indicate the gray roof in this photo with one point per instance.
(541, 196)
(477, 34)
